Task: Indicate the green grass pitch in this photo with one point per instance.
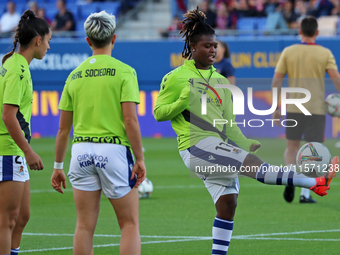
(178, 217)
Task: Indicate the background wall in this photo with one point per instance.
(254, 62)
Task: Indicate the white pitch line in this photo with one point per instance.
(48, 190)
(257, 185)
(192, 238)
(183, 240)
(287, 233)
(110, 245)
(200, 237)
(142, 236)
(45, 234)
(288, 239)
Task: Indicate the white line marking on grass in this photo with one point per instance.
(114, 244)
(287, 233)
(48, 190)
(256, 184)
(288, 239)
(180, 186)
(45, 234)
(175, 239)
(142, 236)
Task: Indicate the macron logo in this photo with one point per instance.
(211, 157)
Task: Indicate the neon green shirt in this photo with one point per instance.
(94, 92)
(15, 89)
(179, 100)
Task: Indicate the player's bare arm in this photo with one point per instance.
(135, 139)
(9, 118)
(335, 76)
(58, 177)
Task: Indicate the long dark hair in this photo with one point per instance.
(225, 46)
(29, 27)
(194, 27)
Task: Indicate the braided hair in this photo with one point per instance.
(194, 27)
(29, 27)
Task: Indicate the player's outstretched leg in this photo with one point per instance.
(322, 183)
(275, 175)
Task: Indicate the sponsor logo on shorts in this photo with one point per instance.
(211, 157)
(237, 151)
(17, 160)
(92, 159)
(95, 139)
(22, 171)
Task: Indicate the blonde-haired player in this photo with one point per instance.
(99, 99)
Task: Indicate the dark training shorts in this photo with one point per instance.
(309, 128)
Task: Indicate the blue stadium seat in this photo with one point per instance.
(87, 9)
(21, 8)
(40, 2)
(261, 24)
(80, 25)
(51, 10)
(2, 9)
(73, 8)
(246, 24)
(20, 1)
(110, 7)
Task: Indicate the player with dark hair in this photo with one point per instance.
(222, 62)
(64, 19)
(305, 64)
(99, 99)
(33, 34)
(205, 146)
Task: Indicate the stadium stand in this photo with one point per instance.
(146, 19)
(328, 25)
(247, 24)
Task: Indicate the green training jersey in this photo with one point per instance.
(15, 89)
(180, 98)
(94, 92)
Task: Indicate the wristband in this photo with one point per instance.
(58, 165)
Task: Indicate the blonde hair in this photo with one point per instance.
(100, 28)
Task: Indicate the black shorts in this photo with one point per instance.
(311, 128)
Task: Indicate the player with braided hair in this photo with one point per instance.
(216, 152)
(33, 34)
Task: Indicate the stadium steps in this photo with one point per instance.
(151, 17)
(145, 26)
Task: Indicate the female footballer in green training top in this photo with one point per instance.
(216, 153)
(33, 34)
(99, 99)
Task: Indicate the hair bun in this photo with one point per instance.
(28, 14)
